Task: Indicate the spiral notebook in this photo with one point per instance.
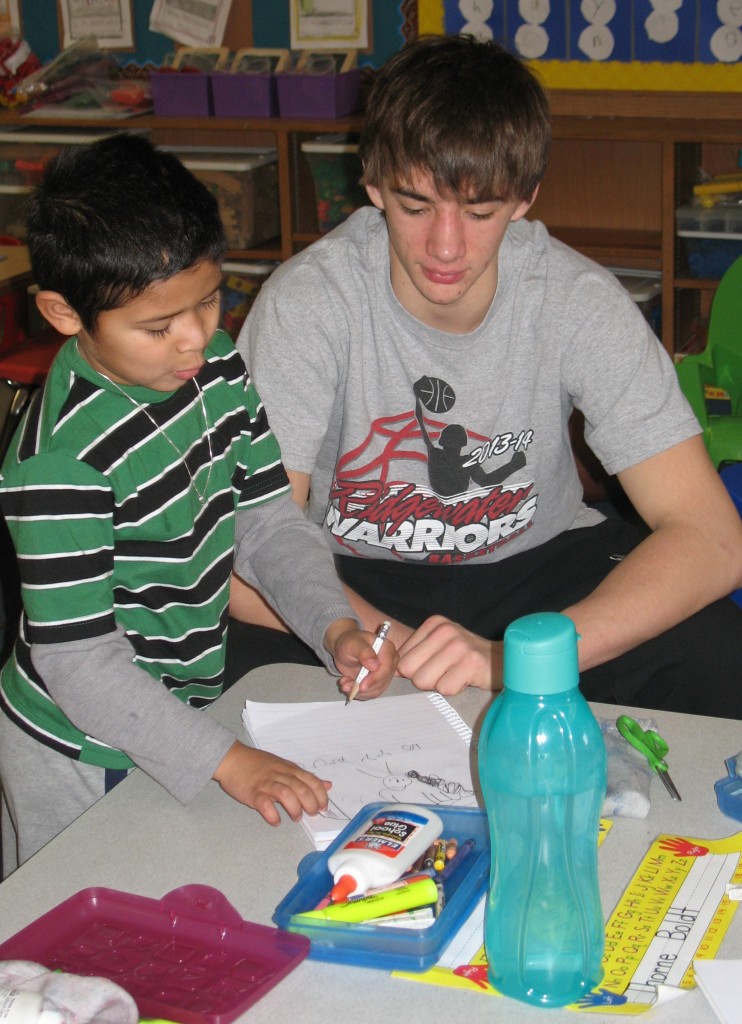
(409, 749)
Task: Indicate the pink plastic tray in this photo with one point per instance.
(188, 957)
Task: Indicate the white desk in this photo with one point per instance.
(138, 839)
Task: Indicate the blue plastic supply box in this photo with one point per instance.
(371, 945)
(712, 237)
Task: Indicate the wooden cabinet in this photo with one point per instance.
(298, 220)
(620, 165)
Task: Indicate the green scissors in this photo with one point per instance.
(652, 746)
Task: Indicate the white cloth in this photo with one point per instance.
(79, 1000)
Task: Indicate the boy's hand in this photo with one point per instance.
(261, 780)
(351, 650)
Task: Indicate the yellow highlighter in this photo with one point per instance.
(421, 893)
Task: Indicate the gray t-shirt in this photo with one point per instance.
(444, 448)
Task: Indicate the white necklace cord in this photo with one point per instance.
(201, 495)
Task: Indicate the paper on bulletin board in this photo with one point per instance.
(675, 908)
(329, 24)
(201, 24)
(110, 21)
(10, 17)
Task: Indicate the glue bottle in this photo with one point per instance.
(382, 848)
(542, 769)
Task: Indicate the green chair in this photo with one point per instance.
(719, 368)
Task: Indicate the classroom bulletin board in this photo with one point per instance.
(683, 45)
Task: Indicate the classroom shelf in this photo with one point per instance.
(621, 163)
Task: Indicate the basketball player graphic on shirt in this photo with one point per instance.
(448, 468)
(463, 511)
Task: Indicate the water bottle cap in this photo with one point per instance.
(541, 654)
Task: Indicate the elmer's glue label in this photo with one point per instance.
(385, 845)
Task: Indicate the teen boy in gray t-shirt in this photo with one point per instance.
(420, 365)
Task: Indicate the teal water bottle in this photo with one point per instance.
(542, 769)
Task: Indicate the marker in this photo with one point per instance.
(453, 865)
(406, 897)
(376, 645)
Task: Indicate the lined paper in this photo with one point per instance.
(408, 749)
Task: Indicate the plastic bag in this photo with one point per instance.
(629, 773)
(83, 77)
(17, 61)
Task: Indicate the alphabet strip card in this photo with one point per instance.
(676, 908)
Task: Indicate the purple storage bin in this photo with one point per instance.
(181, 94)
(243, 95)
(330, 96)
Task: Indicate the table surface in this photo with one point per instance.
(139, 840)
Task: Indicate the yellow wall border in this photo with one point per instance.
(652, 76)
(642, 77)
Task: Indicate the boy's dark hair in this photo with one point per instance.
(112, 217)
(468, 113)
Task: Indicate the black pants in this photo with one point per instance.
(249, 647)
(695, 667)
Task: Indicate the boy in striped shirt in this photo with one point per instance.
(143, 474)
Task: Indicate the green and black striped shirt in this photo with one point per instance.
(106, 516)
